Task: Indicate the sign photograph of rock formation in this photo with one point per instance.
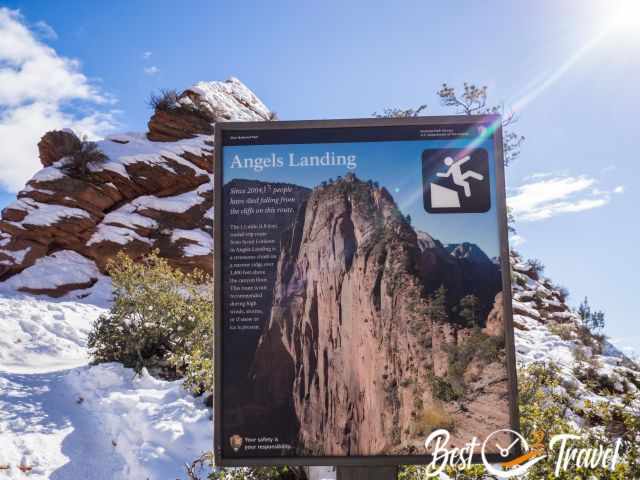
(360, 274)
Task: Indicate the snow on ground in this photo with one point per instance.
(127, 216)
(16, 255)
(43, 430)
(40, 336)
(47, 174)
(157, 427)
(174, 204)
(62, 419)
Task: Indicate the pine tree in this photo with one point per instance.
(470, 310)
(438, 305)
(592, 320)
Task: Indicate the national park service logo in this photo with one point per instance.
(236, 442)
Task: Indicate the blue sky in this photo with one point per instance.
(575, 89)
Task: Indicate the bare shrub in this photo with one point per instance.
(84, 154)
(165, 101)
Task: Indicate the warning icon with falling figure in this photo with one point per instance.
(456, 180)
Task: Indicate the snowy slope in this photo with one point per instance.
(546, 330)
(62, 419)
(39, 336)
(155, 425)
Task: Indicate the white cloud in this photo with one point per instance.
(146, 55)
(551, 196)
(45, 30)
(38, 91)
(541, 175)
(516, 240)
(619, 189)
(152, 70)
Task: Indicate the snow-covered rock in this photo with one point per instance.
(58, 274)
(546, 330)
(152, 190)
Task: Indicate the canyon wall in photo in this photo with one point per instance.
(360, 345)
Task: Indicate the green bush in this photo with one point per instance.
(485, 348)
(544, 408)
(598, 382)
(589, 339)
(160, 320)
(563, 330)
(443, 390)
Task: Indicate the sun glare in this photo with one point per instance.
(624, 17)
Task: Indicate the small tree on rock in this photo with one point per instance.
(469, 310)
(594, 321)
(81, 155)
(437, 309)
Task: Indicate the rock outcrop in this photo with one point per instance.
(56, 144)
(357, 344)
(153, 191)
(195, 110)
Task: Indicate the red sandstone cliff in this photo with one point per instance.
(355, 343)
(147, 191)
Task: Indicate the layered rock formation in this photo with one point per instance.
(153, 190)
(195, 110)
(356, 343)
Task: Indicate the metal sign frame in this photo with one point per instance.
(501, 208)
